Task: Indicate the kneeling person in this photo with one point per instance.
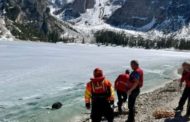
(99, 97)
(121, 88)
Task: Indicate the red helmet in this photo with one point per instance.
(98, 73)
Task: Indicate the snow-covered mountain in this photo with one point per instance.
(31, 20)
(80, 19)
(168, 16)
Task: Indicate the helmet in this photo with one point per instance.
(127, 71)
(186, 66)
(98, 73)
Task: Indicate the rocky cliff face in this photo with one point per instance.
(26, 10)
(72, 9)
(31, 19)
(166, 15)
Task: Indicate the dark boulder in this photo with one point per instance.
(57, 105)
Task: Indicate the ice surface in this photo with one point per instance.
(35, 75)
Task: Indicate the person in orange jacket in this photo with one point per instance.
(99, 97)
(121, 88)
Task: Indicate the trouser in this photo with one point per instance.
(131, 104)
(188, 107)
(122, 97)
(184, 97)
(101, 109)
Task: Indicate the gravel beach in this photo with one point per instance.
(166, 98)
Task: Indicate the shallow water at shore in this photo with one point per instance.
(35, 75)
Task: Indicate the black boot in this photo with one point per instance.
(130, 121)
(178, 109)
(131, 116)
(119, 104)
(120, 109)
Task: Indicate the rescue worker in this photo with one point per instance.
(186, 93)
(135, 84)
(99, 97)
(121, 88)
(188, 108)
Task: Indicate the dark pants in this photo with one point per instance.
(184, 97)
(122, 97)
(101, 109)
(188, 107)
(131, 104)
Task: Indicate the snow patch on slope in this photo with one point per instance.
(148, 26)
(95, 16)
(70, 1)
(4, 32)
(89, 31)
(184, 33)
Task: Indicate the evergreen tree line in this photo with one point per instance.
(28, 32)
(107, 37)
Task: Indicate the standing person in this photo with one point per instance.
(188, 107)
(186, 93)
(121, 88)
(99, 97)
(135, 83)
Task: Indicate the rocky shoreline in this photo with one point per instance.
(166, 97)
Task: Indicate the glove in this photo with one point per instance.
(87, 106)
(111, 102)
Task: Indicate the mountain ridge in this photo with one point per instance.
(78, 20)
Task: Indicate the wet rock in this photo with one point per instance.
(57, 105)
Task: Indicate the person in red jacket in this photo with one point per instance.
(121, 88)
(99, 97)
(135, 84)
(186, 93)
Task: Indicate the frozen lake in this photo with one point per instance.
(34, 75)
